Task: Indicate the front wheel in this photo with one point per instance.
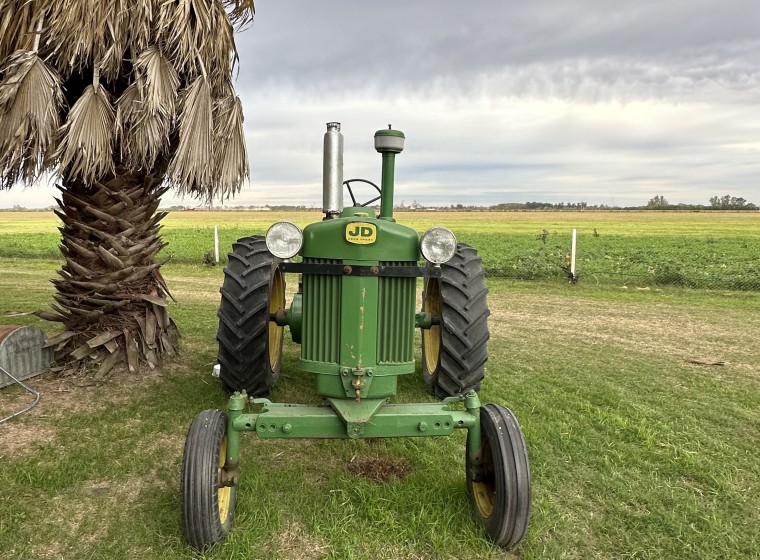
(498, 481)
(207, 506)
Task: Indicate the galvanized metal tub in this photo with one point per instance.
(22, 353)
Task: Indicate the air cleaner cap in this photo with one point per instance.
(389, 140)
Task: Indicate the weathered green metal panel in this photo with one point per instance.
(331, 385)
(391, 420)
(358, 329)
(327, 240)
(363, 323)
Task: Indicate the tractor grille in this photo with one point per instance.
(397, 298)
(320, 340)
(321, 315)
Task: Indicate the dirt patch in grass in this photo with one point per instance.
(379, 469)
(78, 518)
(294, 543)
(663, 330)
(20, 440)
(59, 398)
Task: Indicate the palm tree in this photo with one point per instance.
(119, 100)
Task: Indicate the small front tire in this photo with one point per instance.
(499, 488)
(207, 507)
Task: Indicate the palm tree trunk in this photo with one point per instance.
(111, 297)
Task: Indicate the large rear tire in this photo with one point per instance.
(454, 352)
(499, 490)
(208, 508)
(250, 343)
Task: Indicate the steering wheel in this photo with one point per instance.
(351, 191)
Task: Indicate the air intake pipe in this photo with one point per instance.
(332, 172)
(389, 143)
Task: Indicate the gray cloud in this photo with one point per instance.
(507, 101)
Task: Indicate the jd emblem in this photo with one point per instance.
(361, 233)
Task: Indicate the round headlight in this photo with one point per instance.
(284, 239)
(438, 245)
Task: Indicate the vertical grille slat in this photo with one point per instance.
(397, 299)
(321, 315)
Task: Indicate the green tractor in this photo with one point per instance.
(354, 316)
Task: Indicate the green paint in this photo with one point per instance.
(386, 202)
(327, 240)
(358, 329)
(472, 406)
(235, 408)
(320, 329)
(294, 317)
(389, 157)
(397, 300)
(278, 420)
(423, 320)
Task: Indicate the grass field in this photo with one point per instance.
(635, 453)
(716, 250)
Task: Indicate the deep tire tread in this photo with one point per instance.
(244, 319)
(464, 325)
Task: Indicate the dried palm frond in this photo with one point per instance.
(102, 33)
(146, 110)
(241, 11)
(219, 52)
(141, 17)
(230, 157)
(161, 80)
(86, 149)
(191, 170)
(112, 58)
(198, 33)
(69, 51)
(30, 102)
(184, 26)
(16, 26)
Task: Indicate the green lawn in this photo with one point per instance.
(634, 453)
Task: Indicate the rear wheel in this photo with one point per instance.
(250, 343)
(499, 487)
(208, 508)
(454, 351)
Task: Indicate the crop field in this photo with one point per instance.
(714, 250)
(636, 451)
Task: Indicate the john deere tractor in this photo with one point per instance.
(355, 315)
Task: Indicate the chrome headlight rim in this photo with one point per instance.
(445, 248)
(281, 246)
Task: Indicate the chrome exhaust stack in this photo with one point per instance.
(332, 172)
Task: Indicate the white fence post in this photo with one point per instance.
(216, 244)
(572, 253)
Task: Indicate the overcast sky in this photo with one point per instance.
(602, 101)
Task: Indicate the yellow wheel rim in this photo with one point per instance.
(485, 491)
(431, 338)
(223, 493)
(276, 302)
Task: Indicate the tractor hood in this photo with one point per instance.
(359, 236)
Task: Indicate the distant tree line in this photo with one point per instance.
(726, 202)
(657, 202)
